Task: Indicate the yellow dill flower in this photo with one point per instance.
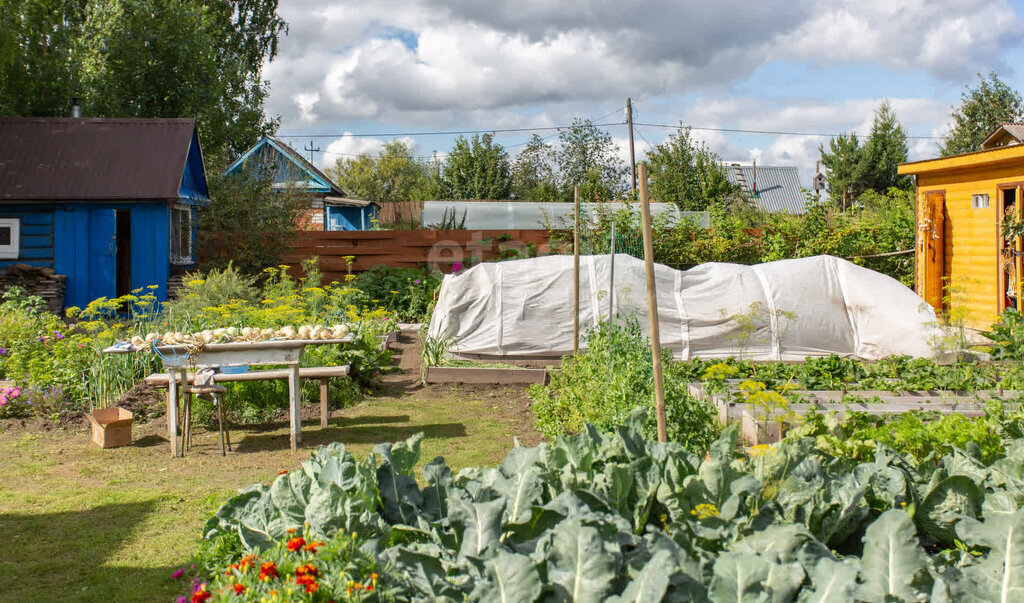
(759, 450)
(705, 510)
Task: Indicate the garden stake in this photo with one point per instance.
(652, 307)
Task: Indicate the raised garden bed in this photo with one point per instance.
(495, 376)
(761, 426)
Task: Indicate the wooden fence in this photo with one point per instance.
(396, 248)
(401, 212)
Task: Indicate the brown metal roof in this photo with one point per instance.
(89, 158)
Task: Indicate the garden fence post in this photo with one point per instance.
(576, 271)
(611, 276)
(652, 306)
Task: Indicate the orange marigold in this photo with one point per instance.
(239, 588)
(296, 543)
(201, 595)
(313, 546)
(268, 570)
(248, 561)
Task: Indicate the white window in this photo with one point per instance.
(10, 237)
(979, 201)
(181, 235)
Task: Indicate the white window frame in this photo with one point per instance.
(11, 251)
(979, 201)
(182, 256)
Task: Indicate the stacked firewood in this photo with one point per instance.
(36, 280)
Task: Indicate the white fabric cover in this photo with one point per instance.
(524, 308)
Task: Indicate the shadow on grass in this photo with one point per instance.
(315, 436)
(60, 557)
(150, 441)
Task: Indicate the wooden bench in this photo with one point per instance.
(322, 373)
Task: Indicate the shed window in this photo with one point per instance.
(9, 238)
(979, 201)
(181, 235)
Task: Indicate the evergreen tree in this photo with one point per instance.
(843, 167)
(883, 151)
(981, 110)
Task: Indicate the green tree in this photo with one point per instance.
(843, 168)
(685, 172)
(883, 151)
(587, 157)
(246, 212)
(37, 74)
(477, 169)
(533, 172)
(144, 58)
(981, 110)
(391, 175)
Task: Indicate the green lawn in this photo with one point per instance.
(85, 524)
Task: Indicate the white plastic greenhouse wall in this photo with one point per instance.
(533, 215)
(792, 309)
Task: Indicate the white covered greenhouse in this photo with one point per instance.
(784, 310)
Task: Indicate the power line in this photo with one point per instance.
(439, 132)
(766, 132)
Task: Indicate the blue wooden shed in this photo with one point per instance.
(350, 214)
(110, 203)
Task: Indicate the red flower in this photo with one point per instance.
(369, 587)
(296, 543)
(201, 595)
(239, 588)
(282, 472)
(268, 570)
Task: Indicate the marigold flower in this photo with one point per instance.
(201, 595)
(239, 588)
(369, 587)
(247, 562)
(313, 546)
(268, 570)
(373, 577)
(282, 472)
(296, 543)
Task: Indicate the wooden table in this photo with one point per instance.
(287, 352)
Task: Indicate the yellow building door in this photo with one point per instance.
(931, 247)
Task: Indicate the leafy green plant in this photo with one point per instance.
(608, 515)
(1007, 336)
(602, 386)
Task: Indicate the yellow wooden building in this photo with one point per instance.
(963, 259)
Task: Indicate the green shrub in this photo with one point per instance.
(1007, 336)
(407, 292)
(614, 375)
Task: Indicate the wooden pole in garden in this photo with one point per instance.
(576, 271)
(652, 307)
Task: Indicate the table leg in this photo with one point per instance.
(172, 410)
(294, 395)
(324, 401)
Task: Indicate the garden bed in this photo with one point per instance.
(760, 424)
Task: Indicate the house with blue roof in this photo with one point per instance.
(329, 208)
(110, 204)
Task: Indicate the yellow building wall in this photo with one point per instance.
(972, 237)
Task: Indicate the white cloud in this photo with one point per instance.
(349, 147)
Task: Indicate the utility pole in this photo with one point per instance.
(632, 157)
(311, 150)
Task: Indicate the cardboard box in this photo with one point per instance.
(111, 427)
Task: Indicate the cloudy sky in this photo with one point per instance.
(357, 73)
